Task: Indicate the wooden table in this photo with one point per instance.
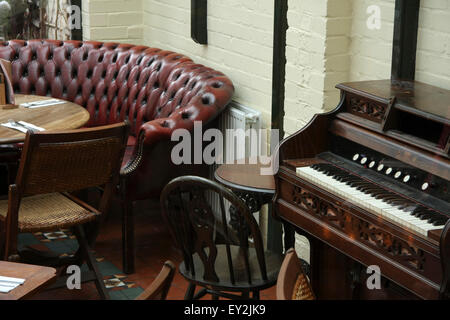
(255, 190)
(36, 278)
(64, 116)
(245, 177)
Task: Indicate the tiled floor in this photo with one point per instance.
(154, 247)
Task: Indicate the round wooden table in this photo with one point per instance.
(255, 189)
(245, 177)
(64, 116)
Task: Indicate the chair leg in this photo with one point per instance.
(190, 292)
(2, 241)
(256, 295)
(12, 172)
(90, 260)
(128, 248)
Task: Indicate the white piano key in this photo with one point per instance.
(366, 200)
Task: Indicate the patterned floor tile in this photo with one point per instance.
(65, 244)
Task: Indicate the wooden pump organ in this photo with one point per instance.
(368, 183)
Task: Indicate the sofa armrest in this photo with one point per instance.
(155, 131)
(204, 107)
(155, 135)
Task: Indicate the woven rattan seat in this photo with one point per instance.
(47, 212)
(292, 282)
(302, 288)
(54, 166)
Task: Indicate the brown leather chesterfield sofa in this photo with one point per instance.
(157, 91)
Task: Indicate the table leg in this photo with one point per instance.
(254, 202)
(274, 233)
(289, 236)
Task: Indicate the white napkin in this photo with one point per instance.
(13, 280)
(42, 103)
(7, 283)
(4, 289)
(22, 126)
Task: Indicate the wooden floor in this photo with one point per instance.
(154, 246)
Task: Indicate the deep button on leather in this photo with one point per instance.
(185, 115)
(68, 69)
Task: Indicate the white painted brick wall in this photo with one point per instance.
(371, 50)
(317, 58)
(240, 36)
(112, 20)
(328, 42)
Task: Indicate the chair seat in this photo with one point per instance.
(48, 212)
(273, 264)
(302, 289)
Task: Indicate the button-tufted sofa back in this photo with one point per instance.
(117, 81)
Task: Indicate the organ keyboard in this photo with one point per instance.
(368, 184)
(374, 198)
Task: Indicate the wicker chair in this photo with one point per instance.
(223, 258)
(292, 282)
(52, 165)
(159, 288)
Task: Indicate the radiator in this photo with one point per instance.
(238, 117)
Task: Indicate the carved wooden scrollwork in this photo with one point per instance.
(321, 208)
(364, 231)
(367, 108)
(401, 250)
(254, 202)
(202, 220)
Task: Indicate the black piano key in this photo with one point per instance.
(383, 195)
(426, 216)
(410, 208)
(440, 222)
(435, 219)
(377, 192)
(419, 210)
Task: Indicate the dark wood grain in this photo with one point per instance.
(247, 176)
(445, 252)
(406, 25)
(280, 26)
(404, 152)
(420, 98)
(345, 238)
(159, 288)
(199, 27)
